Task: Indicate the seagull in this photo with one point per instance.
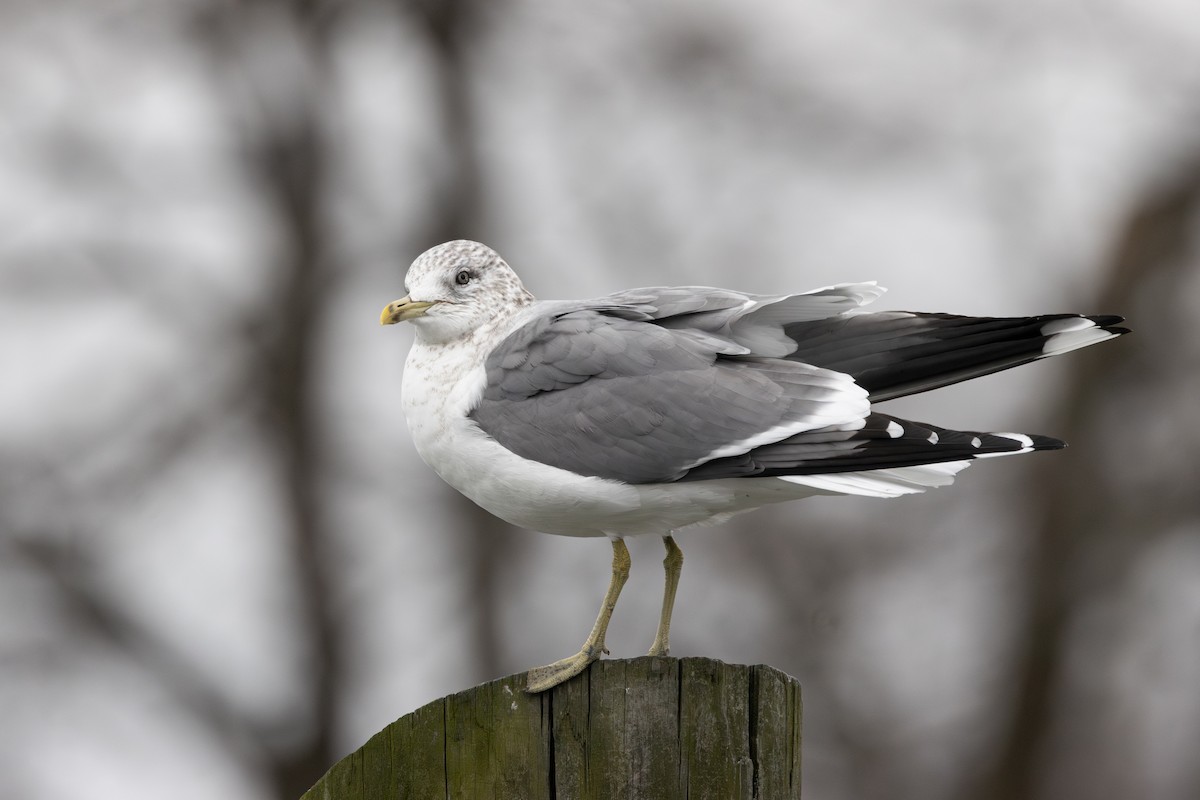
(653, 410)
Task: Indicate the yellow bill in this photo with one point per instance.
(403, 309)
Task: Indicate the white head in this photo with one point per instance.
(455, 288)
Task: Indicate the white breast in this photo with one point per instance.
(443, 382)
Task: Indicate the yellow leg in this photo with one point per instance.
(673, 565)
(542, 678)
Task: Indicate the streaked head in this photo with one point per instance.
(455, 288)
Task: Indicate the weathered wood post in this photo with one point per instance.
(653, 728)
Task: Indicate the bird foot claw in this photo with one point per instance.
(539, 679)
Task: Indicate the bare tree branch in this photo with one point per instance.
(288, 156)
(1154, 240)
(93, 612)
(452, 28)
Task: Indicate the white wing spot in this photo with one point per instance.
(1067, 325)
(1065, 342)
(933, 438)
(895, 429)
(975, 442)
(1019, 438)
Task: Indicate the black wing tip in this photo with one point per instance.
(1110, 323)
(883, 442)
(1047, 443)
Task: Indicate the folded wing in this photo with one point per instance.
(691, 383)
(604, 395)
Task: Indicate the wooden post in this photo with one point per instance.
(653, 728)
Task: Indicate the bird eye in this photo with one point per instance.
(463, 277)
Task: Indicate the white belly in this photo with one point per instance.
(442, 383)
(541, 497)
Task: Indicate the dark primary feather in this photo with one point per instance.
(884, 442)
(892, 354)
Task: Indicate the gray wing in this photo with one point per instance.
(890, 353)
(692, 383)
(644, 386)
(754, 322)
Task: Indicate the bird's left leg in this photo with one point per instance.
(540, 679)
(672, 565)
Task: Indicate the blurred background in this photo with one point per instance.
(222, 565)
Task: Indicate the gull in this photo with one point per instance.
(653, 410)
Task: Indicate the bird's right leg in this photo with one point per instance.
(542, 678)
(672, 566)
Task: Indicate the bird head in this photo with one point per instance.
(455, 288)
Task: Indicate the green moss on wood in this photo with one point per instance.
(649, 727)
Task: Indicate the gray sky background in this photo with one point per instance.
(222, 565)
